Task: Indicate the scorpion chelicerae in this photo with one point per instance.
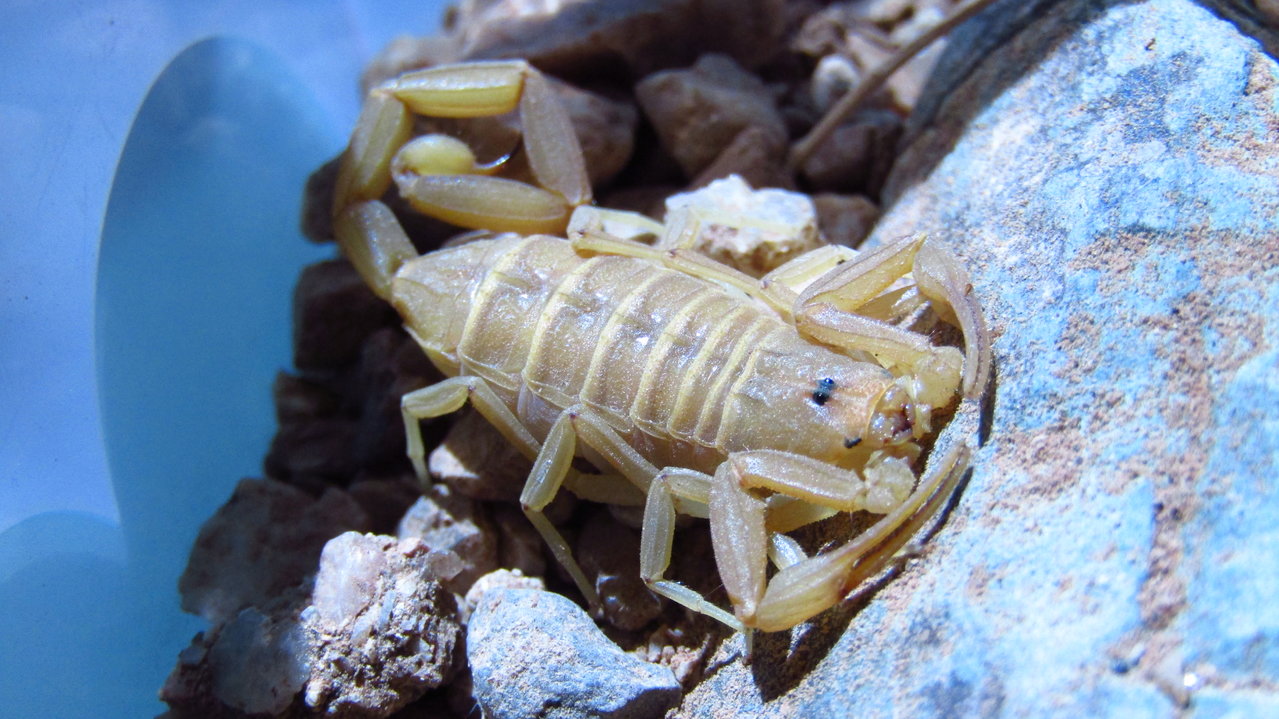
(763, 404)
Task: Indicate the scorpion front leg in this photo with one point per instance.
(808, 586)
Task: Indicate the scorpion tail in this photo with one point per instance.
(372, 239)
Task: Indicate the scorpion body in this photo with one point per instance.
(684, 370)
(694, 389)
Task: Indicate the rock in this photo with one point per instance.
(1109, 174)
(768, 227)
(699, 111)
(314, 453)
(1269, 10)
(333, 311)
(834, 76)
(260, 546)
(477, 461)
(537, 654)
(520, 546)
(390, 365)
(756, 156)
(856, 157)
(405, 53)
(317, 202)
(383, 630)
(371, 633)
(254, 664)
(605, 128)
(299, 399)
(845, 219)
(447, 521)
(385, 499)
(621, 37)
(498, 579)
(851, 39)
(257, 664)
(609, 554)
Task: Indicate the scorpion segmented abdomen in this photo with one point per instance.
(507, 306)
(645, 306)
(571, 323)
(434, 294)
(647, 348)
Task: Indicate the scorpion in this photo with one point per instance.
(762, 404)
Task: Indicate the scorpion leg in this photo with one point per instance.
(552, 468)
(942, 279)
(738, 518)
(447, 397)
(825, 310)
(777, 296)
(658, 535)
(800, 272)
(811, 585)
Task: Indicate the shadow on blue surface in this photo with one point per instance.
(200, 251)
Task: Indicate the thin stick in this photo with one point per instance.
(853, 99)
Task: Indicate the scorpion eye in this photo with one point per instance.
(821, 395)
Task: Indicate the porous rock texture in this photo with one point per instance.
(537, 654)
(1109, 173)
(382, 630)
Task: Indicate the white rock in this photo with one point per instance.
(752, 230)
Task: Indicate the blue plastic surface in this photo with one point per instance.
(200, 251)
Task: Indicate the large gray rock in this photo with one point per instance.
(1109, 172)
(537, 654)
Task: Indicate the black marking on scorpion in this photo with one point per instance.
(821, 395)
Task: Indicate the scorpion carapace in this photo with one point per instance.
(762, 404)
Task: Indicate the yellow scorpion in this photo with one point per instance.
(763, 404)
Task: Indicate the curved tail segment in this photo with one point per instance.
(373, 240)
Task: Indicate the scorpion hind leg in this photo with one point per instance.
(552, 469)
(447, 397)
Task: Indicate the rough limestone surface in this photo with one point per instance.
(1109, 173)
(537, 654)
(752, 230)
(382, 630)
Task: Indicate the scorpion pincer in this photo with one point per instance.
(763, 404)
